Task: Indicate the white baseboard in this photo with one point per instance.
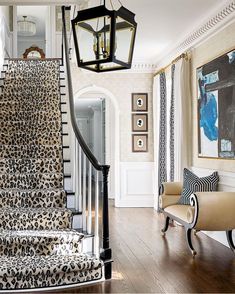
(136, 185)
(226, 183)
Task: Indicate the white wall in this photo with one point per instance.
(5, 35)
(130, 165)
(24, 44)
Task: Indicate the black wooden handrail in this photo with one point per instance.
(78, 135)
(106, 253)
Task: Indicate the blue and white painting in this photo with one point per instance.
(216, 107)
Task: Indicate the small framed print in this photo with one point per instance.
(139, 102)
(139, 143)
(139, 122)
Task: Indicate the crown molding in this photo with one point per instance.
(220, 19)
(138, 67)
(143, 67)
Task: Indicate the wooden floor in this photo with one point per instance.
(145, 262)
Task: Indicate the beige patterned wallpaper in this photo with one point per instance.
(58, 15)
(11, 18)
(217, 45)
(121, 85)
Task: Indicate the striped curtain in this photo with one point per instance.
(172, 125)
(162, 164)
(171, 92)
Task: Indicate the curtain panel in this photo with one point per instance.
(172, 123)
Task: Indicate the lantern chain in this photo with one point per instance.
(111, 2)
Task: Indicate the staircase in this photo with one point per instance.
(38, 247)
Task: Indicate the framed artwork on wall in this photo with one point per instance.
(216, 107)
(139, 122)
(139, 143)
(139, 102)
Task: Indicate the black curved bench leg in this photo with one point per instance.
(189, 241)
(230, 240)
(167, 220)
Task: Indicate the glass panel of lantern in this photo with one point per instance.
(94, 39)
(125, 37)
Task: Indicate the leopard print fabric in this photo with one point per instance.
(31, 157)
(31, 181)
(33, 198)
(35, 218)
(48, 271)
(31, 151)
(39, 106)
(28, 138)
(38, 248)
(34, 126)
(29, 116)
(32, 243)
(19, 166)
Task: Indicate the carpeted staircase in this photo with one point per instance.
(38, 247)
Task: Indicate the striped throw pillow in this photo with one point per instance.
(192, 183)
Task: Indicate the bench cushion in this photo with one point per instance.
(182, 212)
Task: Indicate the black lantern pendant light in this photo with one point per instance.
(104, 39)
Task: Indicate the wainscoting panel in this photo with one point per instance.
(226, 183)
(136, 184)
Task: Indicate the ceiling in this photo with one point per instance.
(36, 13)
(162, 24)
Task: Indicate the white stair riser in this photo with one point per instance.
(68, 184)
(65, 117)
(67, 168)
(66, 153)
(70, 201)
(77, 221)
(87, 245)
(66, 140)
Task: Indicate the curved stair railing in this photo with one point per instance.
(86, 191)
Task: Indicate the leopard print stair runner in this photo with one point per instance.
(38, 247)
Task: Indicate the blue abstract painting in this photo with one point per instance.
(216, 107)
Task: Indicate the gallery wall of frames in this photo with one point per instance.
(139, 122)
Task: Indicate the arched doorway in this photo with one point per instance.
(112, 152)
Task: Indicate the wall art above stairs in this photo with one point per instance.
(38, 247)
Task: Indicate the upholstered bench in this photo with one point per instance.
(208, 211)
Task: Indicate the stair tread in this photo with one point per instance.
(65, 233)
(33, 210)
(33, 198)
(35, 218)
(62, 270)
(36, 264)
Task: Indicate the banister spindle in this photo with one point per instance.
(84, 194)
(96, 231)
(76, 176)
(80, 178)
(89, 208)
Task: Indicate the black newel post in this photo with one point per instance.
(106, 254)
